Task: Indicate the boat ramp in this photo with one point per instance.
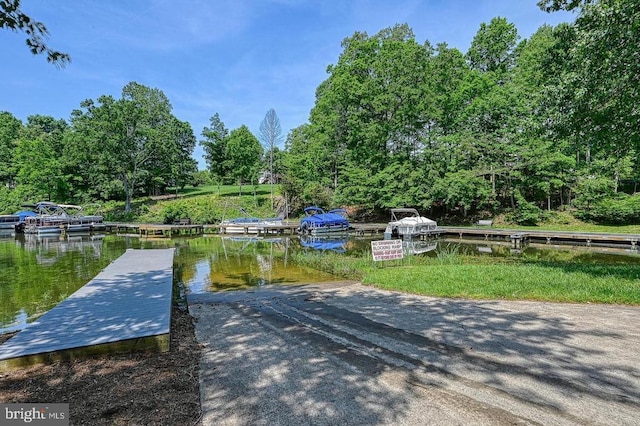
(127, 307)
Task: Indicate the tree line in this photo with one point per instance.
(110, 149)
(117, 149)
(517, 126)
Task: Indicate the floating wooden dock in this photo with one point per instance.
(520, 237)
(284, 228)
(150, 230)
(154, 229)
(517, 237)
(127, 307)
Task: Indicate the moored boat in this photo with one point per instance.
(44, 225)
(8, 222)
(317, 221)
(247, 225)
(407, 223)
(46, 218)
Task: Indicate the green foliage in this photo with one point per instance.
(593, 189)
(463, 190)
(13, 18)
(618, 210)
(492, 49)
(134, 139)
(9, 133)
(244, 153)
(214, 145)
(525, 213)
(510, 126)
(200, 178)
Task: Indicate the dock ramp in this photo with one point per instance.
(126, 307)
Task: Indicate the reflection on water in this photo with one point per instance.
(419, 247)
(36, 273)
(336, 243)
(228, 263)
(50, 248)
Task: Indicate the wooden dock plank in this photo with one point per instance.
(128, 301)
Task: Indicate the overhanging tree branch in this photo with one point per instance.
(11, 17)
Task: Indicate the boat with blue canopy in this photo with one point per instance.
(316, 221)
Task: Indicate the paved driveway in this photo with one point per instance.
(345, 354)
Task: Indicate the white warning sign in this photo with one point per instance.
(387, 250)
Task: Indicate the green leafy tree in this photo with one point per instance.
(39, 163)
(376, 107)
(244, 154)
(492, 48)
(605, 73)
(463, 190)
(556, 5)
(171, 163)
(308, 163)
(10, 128)
(214, 145)
(129, 136)
(39, 174)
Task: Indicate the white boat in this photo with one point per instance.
(9, 222)
(51, 218)
(78, 221)
(407, 223)
(44, 225)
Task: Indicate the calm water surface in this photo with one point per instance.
(36, 273)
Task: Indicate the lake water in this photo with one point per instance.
(36, 273)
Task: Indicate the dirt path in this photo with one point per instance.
(348, 354)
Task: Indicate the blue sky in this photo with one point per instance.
(238, 58)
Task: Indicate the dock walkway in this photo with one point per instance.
(517, 237)
(126, 307)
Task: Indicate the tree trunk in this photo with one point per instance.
(128, 192)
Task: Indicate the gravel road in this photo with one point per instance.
(346, 354)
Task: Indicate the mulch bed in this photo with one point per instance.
(130, 389)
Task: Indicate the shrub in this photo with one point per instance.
(618, 210)
(527, 214)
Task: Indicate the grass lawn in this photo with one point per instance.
(226, 190)
(202, 204)
(460, 276)
(618, 284)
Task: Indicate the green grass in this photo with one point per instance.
(201, 204)
(619, 284)
(226, 190)
(457, 276)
